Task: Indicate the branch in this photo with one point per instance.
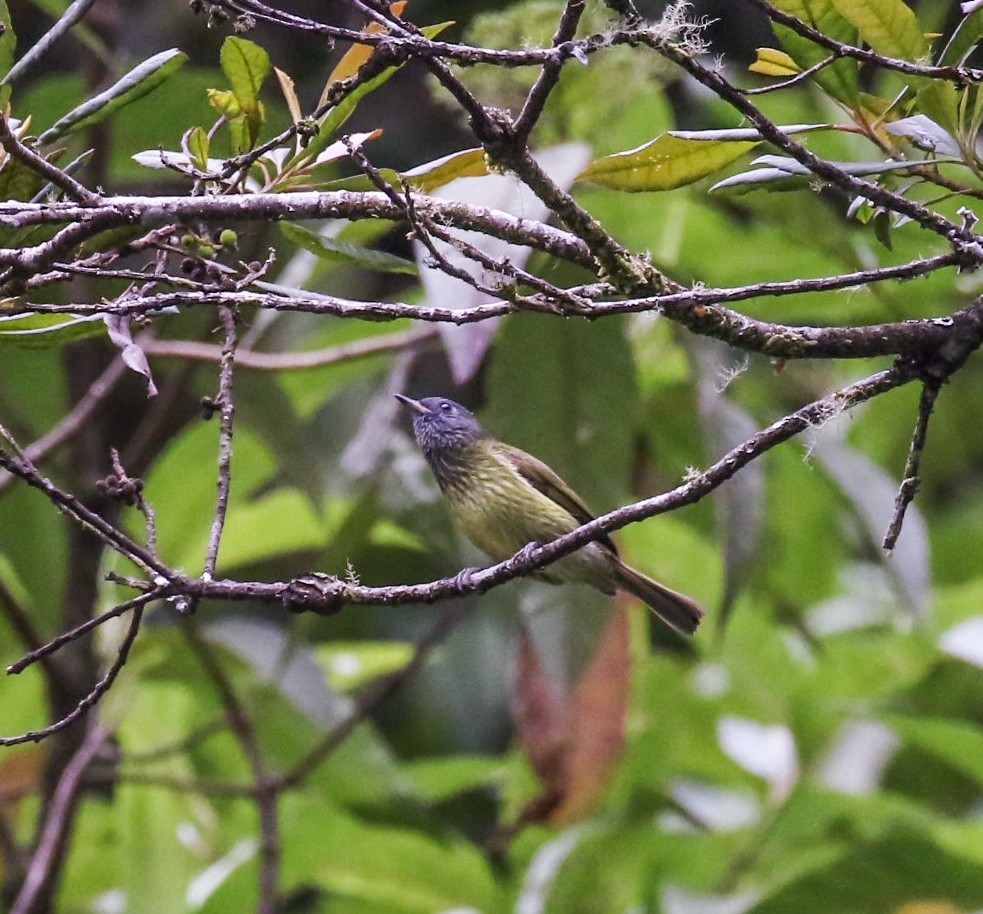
(74, 421)
(60, 815)
(910, 480)
(327, 594)
(266, 788)
(291, 361)
(98, 690)
(957, 235)
(958, 74)
(695, 309)
(43, 167)
(226, 409)
(549, 75)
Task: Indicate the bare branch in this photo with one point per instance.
(57, 825)
(92, 698)
(225, 406)
(910, 481)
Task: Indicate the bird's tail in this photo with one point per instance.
(675, 609)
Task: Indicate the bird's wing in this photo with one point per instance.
(545, 480)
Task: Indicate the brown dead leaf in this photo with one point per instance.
(598, 709)
(573, 736)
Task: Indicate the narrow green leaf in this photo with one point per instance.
(678, 157)
(965, 38)
(8, 41)
(781, 173)
(140, 81)
(889, 26)
(469, 163)
(44, 330)
(332, 249)
(246, 66)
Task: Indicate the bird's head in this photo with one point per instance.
(440, 424)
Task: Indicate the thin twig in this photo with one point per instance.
(370, 701)
(799, 77)
(97, 691)
(75, 420)
(43, 167)
(293, 361)
(910, 481)
(226, 409)
(50, 647)
(58, 822)
(266, 787)
(549, 74)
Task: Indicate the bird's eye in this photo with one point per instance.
(445, 407)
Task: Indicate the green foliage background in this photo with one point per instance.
(866, 666)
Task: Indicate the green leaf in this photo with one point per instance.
(889, 26)
(43, 330)
(140, 81)
(349, 665)
(841, 79)
(246, 66)
(399, 868)
(280, 523)
(663, 164)
(8, 43)
(771, 62)
(469, 163)
(332, 249)
(445, 777)
(197, 144)
(957, 742)
(882, 876)
(184, 494)
(964, 39)
(677, 158)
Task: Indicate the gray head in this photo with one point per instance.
(441, 424)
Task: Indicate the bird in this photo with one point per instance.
(504, 499)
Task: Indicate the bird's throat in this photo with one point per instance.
(452, 466)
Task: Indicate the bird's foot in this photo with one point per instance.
(526, 551)
(464, 579)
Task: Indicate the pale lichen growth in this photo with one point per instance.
(678, 28)
(730, 373)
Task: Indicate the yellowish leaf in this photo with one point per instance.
(772, 62)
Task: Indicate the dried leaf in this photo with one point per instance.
(597, 721)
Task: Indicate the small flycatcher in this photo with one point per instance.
(503, 498)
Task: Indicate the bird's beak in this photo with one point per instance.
(414, 405)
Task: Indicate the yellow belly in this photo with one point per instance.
(500, 513)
